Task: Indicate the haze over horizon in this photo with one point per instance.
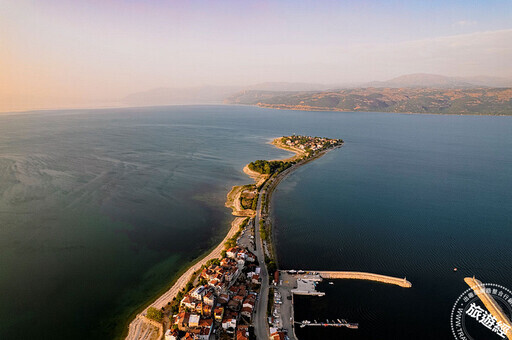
(94, 53)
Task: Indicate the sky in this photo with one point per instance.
(66, 53)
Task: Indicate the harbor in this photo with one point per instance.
(304, 282)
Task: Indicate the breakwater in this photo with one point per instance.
(489, 302)
(402, 282)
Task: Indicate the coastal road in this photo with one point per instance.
(261, 328)
(260, 322)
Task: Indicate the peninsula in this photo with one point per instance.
(232, 291)
(227, 290)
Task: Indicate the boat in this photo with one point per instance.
(331, 283)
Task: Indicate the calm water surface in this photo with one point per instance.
(99, 209)
(409, 196)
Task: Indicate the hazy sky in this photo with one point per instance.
(57, 53)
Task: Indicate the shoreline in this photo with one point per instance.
(141, 327)
(139, 322)
(321, 109)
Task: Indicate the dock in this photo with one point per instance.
(302, 282)
(307, 287)
(327, 323)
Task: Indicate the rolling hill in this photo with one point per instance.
(489, 101)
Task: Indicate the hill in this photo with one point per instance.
(438, 81)
(489, 101)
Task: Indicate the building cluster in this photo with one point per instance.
(223, 302)
(310, 143)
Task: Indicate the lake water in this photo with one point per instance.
(99, 209)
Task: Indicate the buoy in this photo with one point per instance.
(455, 269)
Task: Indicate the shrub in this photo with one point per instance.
(155, 314)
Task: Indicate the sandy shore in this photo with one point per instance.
(138, 328)
(258, 178)
(298, 152)
(233, 203)
(143, 328)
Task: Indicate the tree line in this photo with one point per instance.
(268, 167)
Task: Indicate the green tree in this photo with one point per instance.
(155, 314)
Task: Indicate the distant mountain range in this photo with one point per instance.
(421, 93)
(209, 94)
(436, 81)
(190, 95)
(490, 101)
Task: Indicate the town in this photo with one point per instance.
(309, 144)
(221, 302)
(236, 294)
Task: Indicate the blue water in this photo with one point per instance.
(99, 209)
(409, 196)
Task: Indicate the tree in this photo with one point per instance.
(155, 314)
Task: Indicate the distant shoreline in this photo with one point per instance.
(319, 109)
(35, 111)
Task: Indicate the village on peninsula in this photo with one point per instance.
(237, 291)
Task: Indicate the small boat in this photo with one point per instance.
(331, 283)
(455, 269)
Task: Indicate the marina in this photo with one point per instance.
(304, 282)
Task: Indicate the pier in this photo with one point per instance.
(306, 287)
(491, 304)
(332, 323)
(319, 275)
(402, 282)
(302, 282)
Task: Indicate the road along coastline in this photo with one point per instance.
(142, 328)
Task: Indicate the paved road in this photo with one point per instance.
(260, 316)
(289, 283)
